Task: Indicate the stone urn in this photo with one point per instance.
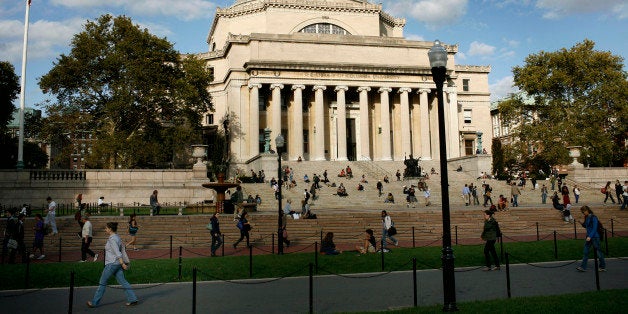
(199, 152)
(574, 152)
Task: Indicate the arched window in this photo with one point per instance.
(324, 28)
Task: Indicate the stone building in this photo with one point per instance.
(338, 79)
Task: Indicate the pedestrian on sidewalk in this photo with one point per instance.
(489, 234)
(215, 233)
(116, 261)
(466, 195)
(155, 207)
(543, 194)
(593, 239)
(474, 194)
(51, 214)
(245, 227)
(608, 193)
(86, 240)
(133, 228)
(38, 242)
(514, 193)
(387, 232)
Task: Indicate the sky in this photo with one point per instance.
(499, 33)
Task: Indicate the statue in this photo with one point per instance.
(412, 167)
(266, 140)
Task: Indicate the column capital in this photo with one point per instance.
(423, 90)
(255, 85)
(405, 90)
(364, 88)
(341, 87)
(384, 89)
(276, 85)
(298, 86)
(319, 87)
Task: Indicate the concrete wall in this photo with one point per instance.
(117, 186)
(597, 177)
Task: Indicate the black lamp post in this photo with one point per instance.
(279, 142)
(438, 62)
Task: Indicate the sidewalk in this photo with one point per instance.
(332, 293)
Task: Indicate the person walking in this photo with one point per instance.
(51, 214)
(133, 228)
(380, 188)
(86, 240)
(619, 190)
(474, 194)
(284, 231)
(593, 239)
(386, 231)
(18, 236)
(466, 194)
(154, 204)
(624, 204)
(514, 193)
(245, 227)
(544, 194)
(490, 234)
(116, 261)
(215, 233)
(38, 242)
(608, 193)
(576, 193)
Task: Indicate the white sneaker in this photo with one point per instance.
(96, 257)
(41, 256)
(31, 256)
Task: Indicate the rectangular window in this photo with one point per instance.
(467, 116)
(468, 147)
(209, 119)
(465, 85)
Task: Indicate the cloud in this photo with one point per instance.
(502, 88)
(183, 10)
(45, 38)
(555, 9)
(415, 37)
(481, 49)
(433, 13)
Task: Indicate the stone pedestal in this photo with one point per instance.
(574, 152)
(199, 169)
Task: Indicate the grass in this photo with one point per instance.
(607, 301)
(48, 275)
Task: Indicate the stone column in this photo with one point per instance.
(405, 121)
(275, 124)
(454, 135)
(365, 137)
(318, 151)
(341, 115)
(426, 154)
(254, 120)
(296, 132)
(385, 120)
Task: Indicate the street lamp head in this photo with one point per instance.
(279, 141)
(437, 55)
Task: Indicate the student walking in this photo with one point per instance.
(490, 234)
(215, 233)
(593, 239)
(133, 228)
(86, 240)
(387, 232)
(116, 261)
(245, 227)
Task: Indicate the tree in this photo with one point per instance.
(132, 91)
(9, 87)
(578, 97)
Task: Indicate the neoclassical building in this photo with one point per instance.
(339, 81)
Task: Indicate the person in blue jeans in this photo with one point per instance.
(593, 239)
(115, 265)
(386, 224)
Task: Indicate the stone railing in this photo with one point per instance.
(36, 175)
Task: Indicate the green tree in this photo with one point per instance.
(140, 99)
(578, 97)
(9, 87)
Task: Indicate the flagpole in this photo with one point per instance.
(20, 148)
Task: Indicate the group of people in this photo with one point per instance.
(621, 192)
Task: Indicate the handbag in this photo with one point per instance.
(209, 226)
(392, 231)
(12, 244)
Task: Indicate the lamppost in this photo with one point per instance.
(438, 62)
(279, 143)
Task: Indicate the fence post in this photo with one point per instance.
(555, 246)
(311, 296)
(194, 290)
(414, 283)
(508, 274)
(597, 271)
(575, 232)
(250, 261)
(456, 228)
(413, 238)
(316, 255)
(223, 245)
(382, 250)
(180, 260)
(71, 296)
(612, 228)
(606, 240)
(28, 269)
(538, 237)
(170, 246)
(60, 240)
(272, 248)
(501, 247)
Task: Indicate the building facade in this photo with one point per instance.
(339, 81)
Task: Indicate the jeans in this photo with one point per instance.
(577, 198)
(543, 198)
(85, 248)
(243, 234)
(609, 195)
(216, 242)
(489, 250)
(596, 245)
(113, 269)
(515, 203)
(625, 203)
(384, 236)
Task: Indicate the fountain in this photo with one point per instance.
(220, 187)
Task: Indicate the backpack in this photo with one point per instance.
(603, 190)
(600, 229)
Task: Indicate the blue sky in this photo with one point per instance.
(500, 33)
